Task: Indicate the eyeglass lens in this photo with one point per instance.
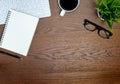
(89, 26)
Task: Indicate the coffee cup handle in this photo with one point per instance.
(62, 13)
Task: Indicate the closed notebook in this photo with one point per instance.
(18, 32)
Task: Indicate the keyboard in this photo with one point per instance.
(37, 8)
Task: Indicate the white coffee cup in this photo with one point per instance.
(68, 6)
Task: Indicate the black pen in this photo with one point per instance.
(10, 54)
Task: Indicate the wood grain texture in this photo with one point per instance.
(64, 52)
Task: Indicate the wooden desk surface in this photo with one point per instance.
(63, 52)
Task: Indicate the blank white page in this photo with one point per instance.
(18, 32)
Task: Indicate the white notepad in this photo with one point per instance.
(18, 33)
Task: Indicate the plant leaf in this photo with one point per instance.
(97, 2)
(109, 23)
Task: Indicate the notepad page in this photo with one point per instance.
(37, 8)
(18, 32)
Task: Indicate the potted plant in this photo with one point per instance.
(109, 11)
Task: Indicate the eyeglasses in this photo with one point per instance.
(102, 32)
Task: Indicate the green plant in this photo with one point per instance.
(109, 10)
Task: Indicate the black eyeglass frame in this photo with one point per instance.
(99, 28)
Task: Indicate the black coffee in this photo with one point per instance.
(68, 4)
